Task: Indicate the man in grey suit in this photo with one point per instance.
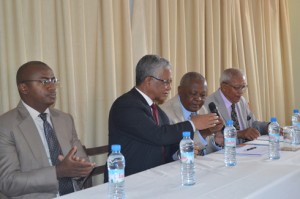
(229, 99)
(192, 92)
(27, 168)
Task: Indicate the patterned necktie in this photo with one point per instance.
(65, 184)
(155, 113)
(234, 117)
(201, 152)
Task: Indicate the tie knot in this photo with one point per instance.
(43, 116)
(232, 106)
(192, 114)
(154, 107)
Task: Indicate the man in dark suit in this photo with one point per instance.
(29, 134)
(146, 137)
(229, 95)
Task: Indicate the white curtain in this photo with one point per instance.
(94, 45)
(209, 36)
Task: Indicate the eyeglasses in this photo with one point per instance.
(165, 82)
(237, 88)
(44, 82)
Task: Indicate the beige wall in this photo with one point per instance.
(294, 6)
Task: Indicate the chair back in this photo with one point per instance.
(93, 151)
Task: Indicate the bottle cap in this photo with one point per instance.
(229, 122)
(116, 147)
(296, 111)
(186, 134)
(273, 119)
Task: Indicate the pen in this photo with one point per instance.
(251, 148)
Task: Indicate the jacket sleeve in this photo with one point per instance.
(14, 181)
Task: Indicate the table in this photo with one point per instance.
(253, 177)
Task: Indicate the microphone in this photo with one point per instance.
(212, 107)
(249, 118)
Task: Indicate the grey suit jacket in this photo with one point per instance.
(173, 109)
(25, 171)
(246, 119)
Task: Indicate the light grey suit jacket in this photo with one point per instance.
(25, 172)
(173, 109)
(246, 119)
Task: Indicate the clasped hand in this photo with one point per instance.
(73, 166)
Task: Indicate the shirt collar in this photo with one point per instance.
(226, 101)
(34, 113)
(186, 113)
(148, 99)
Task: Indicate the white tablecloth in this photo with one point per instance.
(252, 177)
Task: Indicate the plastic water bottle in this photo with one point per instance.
(274, 136)
(296, 119)
(116, 177)
(230, 144)
(187, 159)
(295, 137)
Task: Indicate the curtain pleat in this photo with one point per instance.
(93, 47)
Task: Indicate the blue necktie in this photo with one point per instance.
(65, 184)
(201, 152)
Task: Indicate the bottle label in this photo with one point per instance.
(230, 142)
(187, 157)
(116, 175)
(274, 137)
(297, 124)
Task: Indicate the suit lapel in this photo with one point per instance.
(177, 109)
(222, 107)
(241, 113)
(143, 100)
(31, 134)
(59, 127)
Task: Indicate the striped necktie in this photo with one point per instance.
(65, 184)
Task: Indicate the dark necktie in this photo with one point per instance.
(155, 116)
(155, 113)
(234, 117)
(65, 184)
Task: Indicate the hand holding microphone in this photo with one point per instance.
(212, 107)
(220, 127)
(205, 121)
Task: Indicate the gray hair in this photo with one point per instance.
(229, 73)
(189, 77)
(149, 66)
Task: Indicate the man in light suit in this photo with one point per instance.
(26, 169)
(232, 87)
(143, 129)
(192, 92)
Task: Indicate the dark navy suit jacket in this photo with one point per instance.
(132, 125)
